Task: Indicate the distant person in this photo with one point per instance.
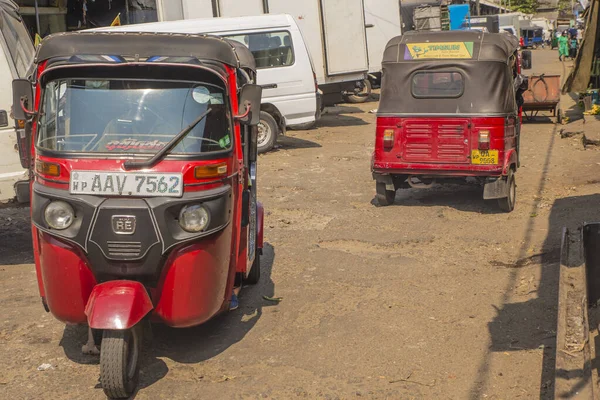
(563, 46)
(573, 47)
(579, 35)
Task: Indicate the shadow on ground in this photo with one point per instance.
(191, 345)
(466, 198)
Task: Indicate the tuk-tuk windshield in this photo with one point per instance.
(132, 116)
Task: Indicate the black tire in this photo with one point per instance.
(267, 133)
(120, 362)
(507, 204)
(363, 96)
(384, 197)
(254, 275)
(559, 116)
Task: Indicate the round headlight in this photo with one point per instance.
(193, 218)
(59, 215)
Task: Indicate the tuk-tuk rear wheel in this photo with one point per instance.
(119, 362)
(507, 204)
(384, 197)
(254, 274)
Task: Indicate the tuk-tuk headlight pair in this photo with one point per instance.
(194, 218)
(59, 215)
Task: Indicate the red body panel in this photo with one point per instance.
(117, 305)
(67, 279)
(194, 281)
(442, 146)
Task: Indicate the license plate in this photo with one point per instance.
(484, 157)
(126, 184)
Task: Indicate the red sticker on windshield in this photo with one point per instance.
(134, 144)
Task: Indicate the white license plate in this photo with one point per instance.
(126, 184)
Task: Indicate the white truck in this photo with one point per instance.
(384, 22)
(334, 32)
(510, 22)
(16, 56)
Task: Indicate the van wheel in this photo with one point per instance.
(362, 96)
(507, 204)
(267, 132)
(384, 197)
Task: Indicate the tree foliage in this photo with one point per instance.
(525, 6)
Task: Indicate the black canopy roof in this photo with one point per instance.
(144, 45)
(485, 46)
(480, 59)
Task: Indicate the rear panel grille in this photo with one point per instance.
(124, 249)
(436, 141)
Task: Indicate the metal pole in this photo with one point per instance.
(127, 12)
(477, 9)
(37, 18)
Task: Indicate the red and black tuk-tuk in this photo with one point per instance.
(143, 196)
(449, 108)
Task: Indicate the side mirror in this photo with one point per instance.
(250, 98)
(22, 99)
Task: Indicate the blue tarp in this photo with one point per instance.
(459, 13)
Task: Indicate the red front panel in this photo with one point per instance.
(68, 281)
(439, 146)
(194, 281)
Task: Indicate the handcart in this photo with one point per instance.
(543, 95)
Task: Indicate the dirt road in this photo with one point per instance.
(439, 296)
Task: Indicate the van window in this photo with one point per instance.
(437, 84)
(270, 49)
(18, 41)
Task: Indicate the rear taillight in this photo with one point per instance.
(316, 83)
(388, 139)
(484, 140)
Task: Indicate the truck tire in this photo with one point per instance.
(361, 97)
(267, 132)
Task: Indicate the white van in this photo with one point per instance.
(16, 56)
(383, 22)
(334, 32)
(285, 71)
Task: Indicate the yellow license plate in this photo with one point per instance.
(484, 157)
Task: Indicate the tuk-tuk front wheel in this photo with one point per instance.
(267, 132)
(384, 197)
(119, 362)
(507, 204)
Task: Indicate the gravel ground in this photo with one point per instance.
(439, 296)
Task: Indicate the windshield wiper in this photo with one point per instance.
(162, 153)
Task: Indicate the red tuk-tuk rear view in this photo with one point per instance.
(449, 111)
(143, 201)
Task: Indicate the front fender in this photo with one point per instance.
(260, 223)
(509, 159)
(117, 305)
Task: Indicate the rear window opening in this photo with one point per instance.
(437, 84)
